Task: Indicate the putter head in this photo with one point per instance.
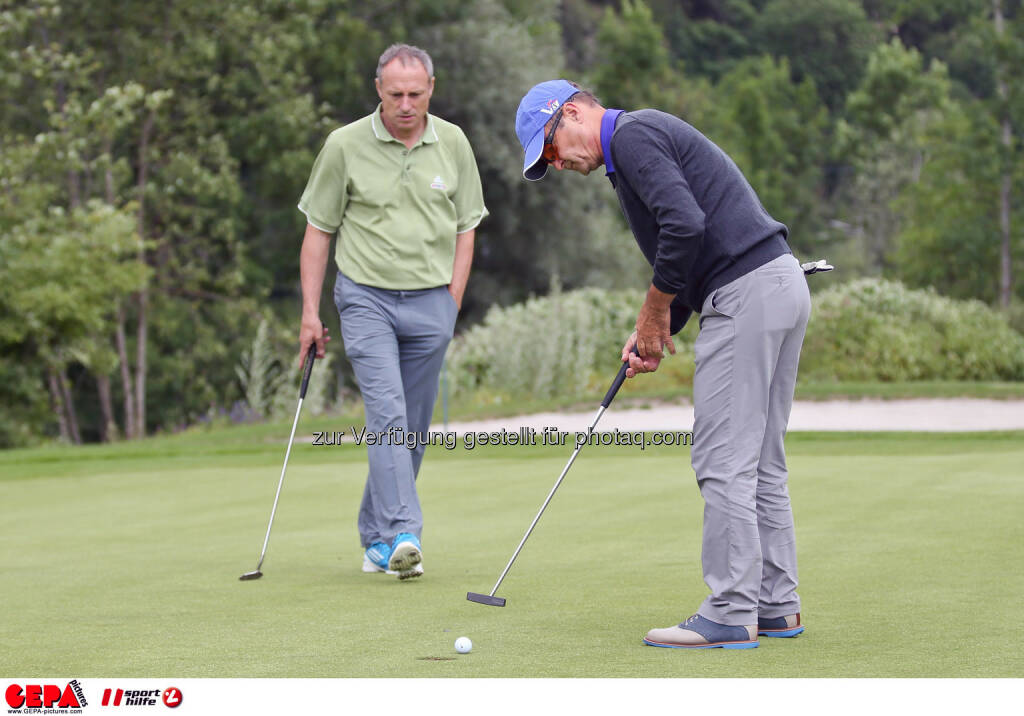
(251, 575)
(485, 599)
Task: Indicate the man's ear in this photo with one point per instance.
(572, 111)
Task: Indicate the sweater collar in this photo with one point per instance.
(607, 129)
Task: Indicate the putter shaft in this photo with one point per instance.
(280, 482)
(310, 358)
(620, 378)
(590, 431)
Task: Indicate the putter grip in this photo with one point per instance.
(617, 383)
(308, 370)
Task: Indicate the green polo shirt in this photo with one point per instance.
(396, 210)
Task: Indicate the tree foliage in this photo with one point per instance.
(151, 155)
(826, 40)
(774, 128)
(885, 138)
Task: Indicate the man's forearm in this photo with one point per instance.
(652, 324)
(462, 265)
(657, 300)
(316, 246)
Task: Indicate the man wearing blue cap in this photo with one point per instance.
(715, 250)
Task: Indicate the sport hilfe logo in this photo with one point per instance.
(48, 696)
(171, 697)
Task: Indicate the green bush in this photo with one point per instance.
(872, 329)
(546, 346)
(567, 344)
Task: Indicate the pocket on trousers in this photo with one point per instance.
(454, 312)
(725, 300)
(339, 292)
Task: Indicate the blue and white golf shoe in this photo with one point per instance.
(406, 556)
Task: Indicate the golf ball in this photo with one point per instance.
(463, 645)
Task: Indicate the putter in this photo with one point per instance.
(310, 357)
(490, 599)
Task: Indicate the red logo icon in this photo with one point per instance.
(172, 697)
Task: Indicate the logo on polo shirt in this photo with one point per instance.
(438, 183)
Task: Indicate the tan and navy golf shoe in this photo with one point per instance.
(698, 632)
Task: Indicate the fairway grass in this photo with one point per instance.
(123, 561)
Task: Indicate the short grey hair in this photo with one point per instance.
(583, 95)
(405, 55)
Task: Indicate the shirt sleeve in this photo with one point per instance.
(646, 160)
(680, 313)
(469, 197)
(325, 197)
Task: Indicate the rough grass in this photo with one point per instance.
(124, 561)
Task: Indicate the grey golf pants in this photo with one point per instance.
(396, 342)
(747, 353)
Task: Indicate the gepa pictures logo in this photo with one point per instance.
(46, 696)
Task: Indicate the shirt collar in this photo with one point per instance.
(607, 128)
(381, 132)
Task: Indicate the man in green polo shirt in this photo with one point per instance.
(401, 190)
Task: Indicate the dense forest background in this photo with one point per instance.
(152, 154)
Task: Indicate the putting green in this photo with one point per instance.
(124, 561)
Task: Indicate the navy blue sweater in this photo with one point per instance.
(696, 218)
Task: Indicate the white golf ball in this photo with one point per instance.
(463, 645)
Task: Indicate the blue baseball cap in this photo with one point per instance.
(537, 107)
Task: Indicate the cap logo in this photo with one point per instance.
(552, 106)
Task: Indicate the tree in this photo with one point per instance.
(981, 41)
(883, 141)
(709, 36)
(67, 162)
(563, 227)
(1009, 55)
(134, 123)
(773, 128)
(637, 70)
(951, 212)
(827, 40)
(61, 275)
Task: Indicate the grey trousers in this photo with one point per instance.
(747, 353)
(396, 342)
